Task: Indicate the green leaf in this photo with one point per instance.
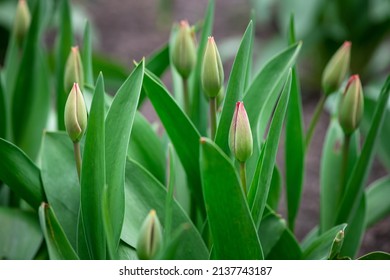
(375, 256)
(378, 206)
(275, 189)
(93, 175)
(183, 134)
(61, 185)
(355, 185)
(63, 46)
(20, 174)
(257, 196)
(235, 89)
(199, 103)
(20, 234)
(126, 252)
(11, 67)
(143, 193)
(118, 125)
(170, 190)
(114, 73)
(3, 114)
(56, 240)
(145, 147)
(86, 54)
(227, 209)
(321, 246)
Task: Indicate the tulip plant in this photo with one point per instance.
(102, 184)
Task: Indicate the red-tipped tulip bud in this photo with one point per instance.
(75, 114)
(212, 71)
(74, 72)
(240, 134)
(184, 50)
(150, 239)
(351, 105)
(22, 21)
(336, 69)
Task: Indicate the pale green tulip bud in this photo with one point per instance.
(22, 21)
(336, 69)
(184, 50)
(240, 134)
(337, 244)
(75, 114)
(351, 105)
(212, 70)
(150, 239)
(74, 72)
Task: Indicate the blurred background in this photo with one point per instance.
(129, 30)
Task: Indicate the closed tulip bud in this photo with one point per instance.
(337, 244)
(351, 105)
(184, 50)
(336, 69)
(75, 114)
(74, 72)
(22, 21)
(212, 71)
(150, 238)
(240, 134)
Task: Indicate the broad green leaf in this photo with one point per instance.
(126, 252)
(143, 192)
(235, 89)
(355, 185)
(226, 206)
(146, 148)
(171, 174)
(258, 196)
(310, 237)
(183, 134)
(56, 240)
(93, 175)
(378, 205)
(11, 67)
(63, 46)
(86, 54)
(114, 72)
(3, 114)
(199, 103)
(321, 246)
(21, 174)
(118, 125)
(375, 256)
(275, 189)
(61, 185)
(20, 234)
(294, 144)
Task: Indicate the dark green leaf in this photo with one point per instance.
(275, 189)
(375, 256)
(20, 174)
(87, 55)
(170, 190)
(158, 62)
(235, 89)
(226, 206)
(3, 114)
(20, 234)
(378, 206)
(56, 240)
(93, 175)
(114, 72)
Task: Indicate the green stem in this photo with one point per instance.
(213, 116)
(77, 156)
(186, 97)
(314, 120)
(243, 175)
(344, 167)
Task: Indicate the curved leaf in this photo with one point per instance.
(226, 206)
(378, 206)
(373, 256)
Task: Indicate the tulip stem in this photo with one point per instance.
(314, 120)
(243, 175)
(344, 167)
(77, 156)
(186, 97)
(213, 117)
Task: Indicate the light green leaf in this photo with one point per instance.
(56, 240)
(226, 206)
(93, 175)
(86, 54)
(378, 205)
(275, 189)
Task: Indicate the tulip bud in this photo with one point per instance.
(74, 72)
(75, 114)
(336, 69)
(150, 237)
(212, 71)
(351, 105)
(240, 134)
(22, 21)
(337, 244)
(184, 50)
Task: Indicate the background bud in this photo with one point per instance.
(212, 70)
(150, 237)
(74, 72)
(184, 51)
(240, 134)
(22, 21)
(351, 105)
(336, 69)
(75, 114)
